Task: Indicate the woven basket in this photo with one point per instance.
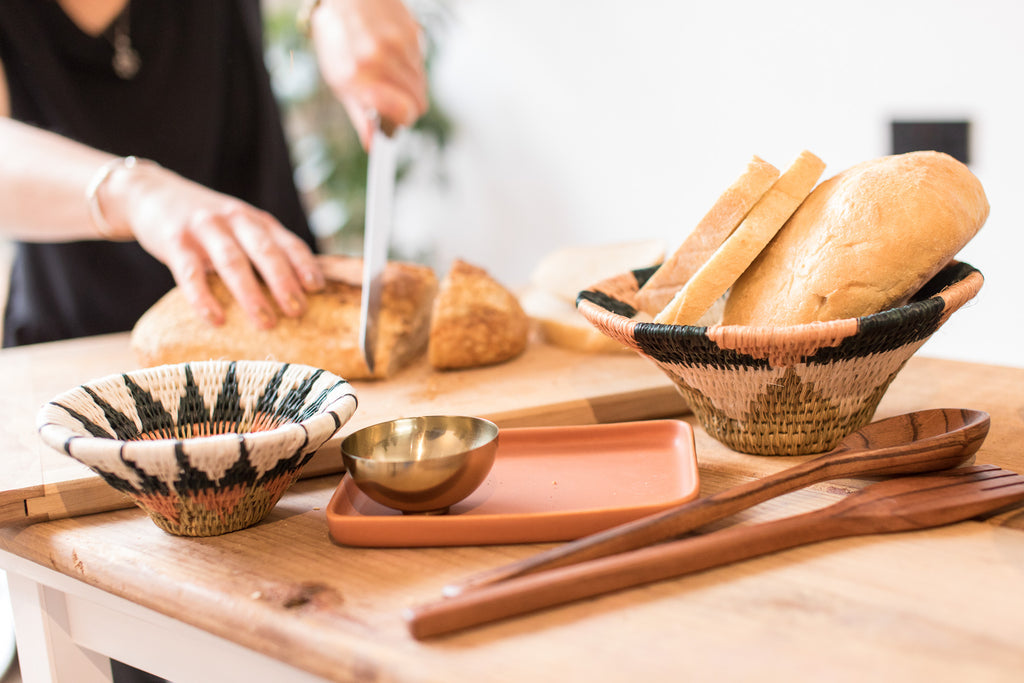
(204, 447)
(782, 390)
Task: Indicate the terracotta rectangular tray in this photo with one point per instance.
(547, 484)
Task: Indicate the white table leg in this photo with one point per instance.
(63, 625)
(48, 653)
(7, 646)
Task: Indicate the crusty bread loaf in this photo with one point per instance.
(476, 321)
(717, 225)
(864, 241)
(326, 336)
(719, 272)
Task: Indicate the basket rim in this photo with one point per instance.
(330, 416)
(953, 296)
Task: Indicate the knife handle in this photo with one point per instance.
(386, 125)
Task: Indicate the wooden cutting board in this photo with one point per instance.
(545, 386)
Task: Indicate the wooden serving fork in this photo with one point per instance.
(913, 443)
(902, 504)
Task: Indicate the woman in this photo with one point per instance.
(143, 148)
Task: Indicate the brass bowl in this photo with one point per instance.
(421, 464)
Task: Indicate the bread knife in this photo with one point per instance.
(380, 191)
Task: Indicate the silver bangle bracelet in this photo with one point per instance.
(99, 221)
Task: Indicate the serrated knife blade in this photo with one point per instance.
(380, 192)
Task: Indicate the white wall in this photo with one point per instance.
(586, 121)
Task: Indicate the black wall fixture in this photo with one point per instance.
(951, 137)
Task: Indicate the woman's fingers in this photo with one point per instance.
(283, 261)
(303, 261)
(196, 231)
(396, 89)
(370, 55)
(391, 103)
(189, 267)
(254, 234)
(229, 260)
(246, 248)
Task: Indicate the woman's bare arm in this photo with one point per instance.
(190, 228)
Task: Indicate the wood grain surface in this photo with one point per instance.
(910, 443)
(895, 504)
(544, 386)
(939, 605)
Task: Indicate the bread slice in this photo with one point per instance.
(568, 271)
(561, 325)
(718, 273)
(476, 321)
(709, 234)
(326, 336)
(864, 241)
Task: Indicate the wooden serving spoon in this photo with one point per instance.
(922, 441)
(903, 504)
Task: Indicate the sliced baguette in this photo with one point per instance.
(718, 273)
(864, 241)
(709, 234)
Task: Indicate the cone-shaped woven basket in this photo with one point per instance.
(782, 390)
(204, 447)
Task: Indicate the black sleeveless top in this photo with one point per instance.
(200, 105)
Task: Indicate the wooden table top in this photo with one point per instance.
(543, 386)
(945, 604)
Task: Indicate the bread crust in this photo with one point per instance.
(864, 241)
(729, 261)
(326, 336)
(560, 324)
(713, 229)
(475, 321)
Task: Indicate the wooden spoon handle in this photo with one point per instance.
(894, 505)
(653, 528)
(920, 445)
(533, 592)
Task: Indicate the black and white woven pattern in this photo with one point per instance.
(204, 447)
(782, 390)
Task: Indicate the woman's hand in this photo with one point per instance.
(194, 230)
(369, 54)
